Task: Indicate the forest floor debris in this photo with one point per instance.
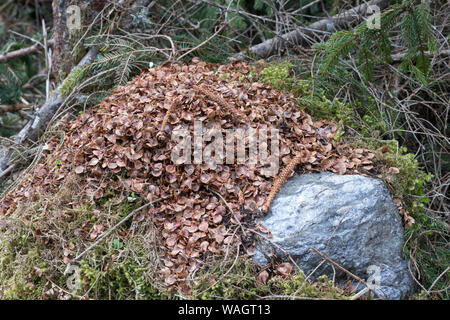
(121, 145)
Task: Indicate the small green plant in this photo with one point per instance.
(279, 75)
(115, 279)
(131, 197)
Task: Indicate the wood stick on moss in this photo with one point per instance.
(106, 234)
(13, 107)
(281, 179)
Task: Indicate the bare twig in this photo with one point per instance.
(299, 35)
(8, 170)
(276, 246)
(12, 107)
(203, 42)
(229, 209)
(106, 234)
(34, 128)
(443, 53)
(437, 279)
(324, 256)
(22, 52)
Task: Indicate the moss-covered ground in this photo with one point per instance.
(42, 235)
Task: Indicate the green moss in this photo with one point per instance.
(42, 234)
(104, 274)
(238, 280)
(23, 267)
(321, 104)
(19, 261)
(428, 237)
(411, 179)
(279, 76)
(72, 80)
(116, 279)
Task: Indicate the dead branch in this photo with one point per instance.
(12, 107)
(33, 129)
(300, 34)
(22, 52)
(324, 256)
(7, 170)
(19, 53)
(399, 56)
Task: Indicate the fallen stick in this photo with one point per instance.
(360, 294)
(12, 107)
(22, 52)
(444, 53)
(229, 209)
(7, 170)
(324, 256)
(300, 34)
(276, 246)
(32, 130)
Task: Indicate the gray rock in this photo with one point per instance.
(350, 218)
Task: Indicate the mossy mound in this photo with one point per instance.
(117, 156)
